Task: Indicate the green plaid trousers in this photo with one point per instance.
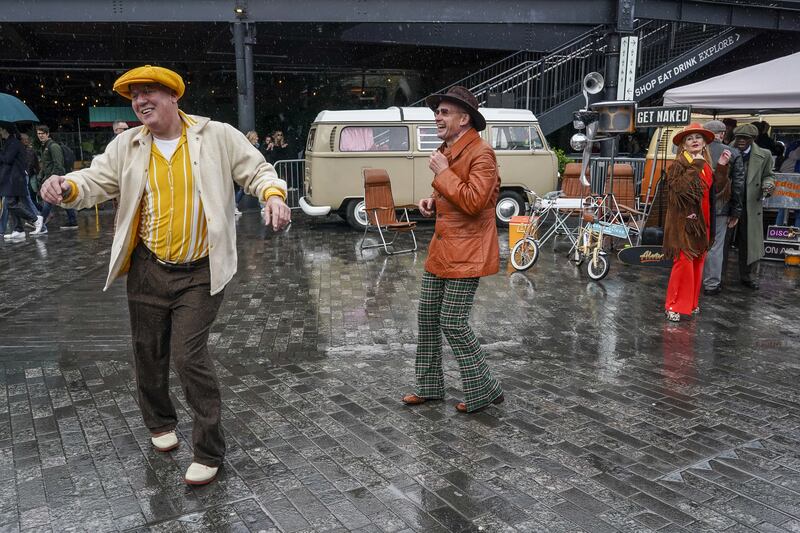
(444, 307)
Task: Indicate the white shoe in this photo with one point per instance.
(37, 226)
(15, 236)
(166, 442)
(237, 213)
(672, 316)
(40, 231)
(198, 474)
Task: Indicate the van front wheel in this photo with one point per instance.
(356, 214)
(509, 204)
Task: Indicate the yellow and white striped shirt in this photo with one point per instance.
(172, 223)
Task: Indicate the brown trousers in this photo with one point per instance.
(171, 314)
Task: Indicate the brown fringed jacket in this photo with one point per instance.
(682, 232)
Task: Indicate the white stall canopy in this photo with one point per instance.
(773, 86)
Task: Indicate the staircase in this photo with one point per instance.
(550, 84)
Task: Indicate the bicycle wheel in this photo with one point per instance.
(525, 253)
(597, 268)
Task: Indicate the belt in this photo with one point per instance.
(144, 252)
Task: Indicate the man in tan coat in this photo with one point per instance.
(463, 249)
(175, 236)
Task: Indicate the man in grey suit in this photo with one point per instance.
(728, 209)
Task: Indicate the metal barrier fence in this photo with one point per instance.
(293, 172)
(598, 170)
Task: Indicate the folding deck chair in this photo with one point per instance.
(381, 212)
(624, 209)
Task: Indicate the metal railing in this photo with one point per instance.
(598, 171)
(496, 70)
(293, 172)
(541, 82)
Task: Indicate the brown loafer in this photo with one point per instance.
(461, 407)
(413, 399)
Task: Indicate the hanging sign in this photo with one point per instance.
(676, 115)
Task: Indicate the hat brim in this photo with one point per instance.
(124, 88)
(708, 135)
(478, 121)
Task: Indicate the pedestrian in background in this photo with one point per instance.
(14, 186)
(689, 227)
(119, 126)
(463, 249)
(759, 183)
(728, 208)
(52, 163)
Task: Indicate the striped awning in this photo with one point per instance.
(105, 116)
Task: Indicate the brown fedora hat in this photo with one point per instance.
(463, 98)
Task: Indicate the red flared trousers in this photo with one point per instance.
(685, 282)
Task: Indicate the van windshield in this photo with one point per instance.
(522, 137)
(310, 143)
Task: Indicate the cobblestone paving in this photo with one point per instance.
(614, 419)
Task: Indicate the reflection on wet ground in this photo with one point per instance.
(614, 419)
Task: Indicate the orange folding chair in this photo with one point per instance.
(382, 213)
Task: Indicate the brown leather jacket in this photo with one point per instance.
(464, 244)
(684, 200)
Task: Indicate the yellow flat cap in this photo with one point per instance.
(149, 74)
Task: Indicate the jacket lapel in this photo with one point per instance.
(194, 141)
(140, 164)
(755, 164)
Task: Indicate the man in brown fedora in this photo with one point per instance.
(463, 249)
(175, 236)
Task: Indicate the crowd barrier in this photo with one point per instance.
(293, 172)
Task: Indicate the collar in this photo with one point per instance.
(181, 140)
(465, 140)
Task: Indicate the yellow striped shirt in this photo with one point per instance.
(172, 223)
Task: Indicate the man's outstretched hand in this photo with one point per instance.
(53, 189)
(277, 213)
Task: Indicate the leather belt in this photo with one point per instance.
(144, 252)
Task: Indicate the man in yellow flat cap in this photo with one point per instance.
(175, 236)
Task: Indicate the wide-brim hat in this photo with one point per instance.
(149, 74)
(462, 97)
(694, 127)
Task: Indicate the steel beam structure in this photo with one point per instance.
(534, 37)
(775, 14)
(243, 39)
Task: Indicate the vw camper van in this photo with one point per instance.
(341, 144)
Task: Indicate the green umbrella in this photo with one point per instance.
(13, 110)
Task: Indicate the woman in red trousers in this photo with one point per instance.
(689, 224)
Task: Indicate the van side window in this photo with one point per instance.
(536, 140)
(373, 139)
(513, 138)
(427, 141)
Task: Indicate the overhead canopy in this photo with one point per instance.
(105, 116)
(766, 87)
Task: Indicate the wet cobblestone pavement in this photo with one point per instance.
(614, 419)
